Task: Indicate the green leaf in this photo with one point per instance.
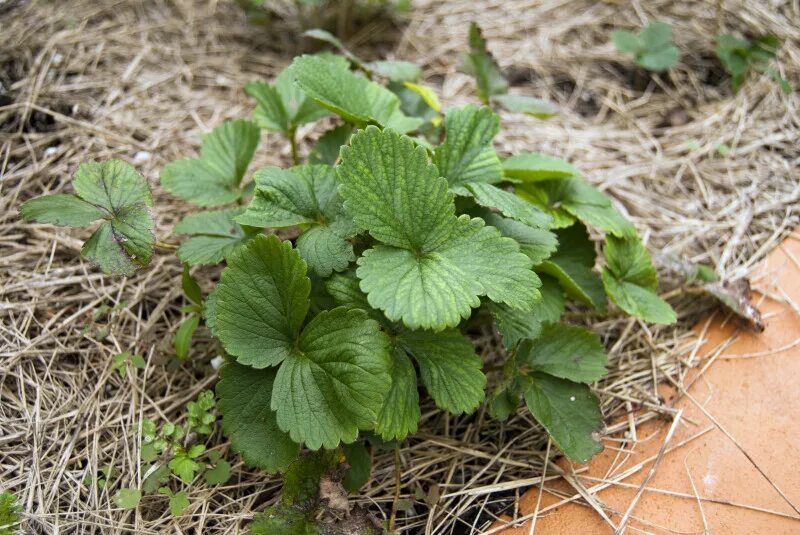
(299, 195)
(214, 178)
(656, 35)
(261, 301)
(572, 267)
(396, 70)
(428, 95)
(449, 368)
(156, 478)
(659, 60)
(190, 287)
(282, 106)
(248, 421)
(325, 247)
(184, 466)
(551, 306)
(438, 289)
(630, 280)
(565, 351)
(327, 37)
(220, 474)
(568, 411)
(178, 503)
(62, 209)
(283, 520)
(335, 381)
(213, 236)
(357, 475)
(128, 498)
(400, 413)
(580, 200)
(391, 190)
(535, 107)
(536, 243)
(508, 204)
(516, 325)
(628, 42)
(183, 336)
(349, 95)
(534, 166)
(345, 291)
(480, 63)
(116, 193)
(466, 155)
(326, 150)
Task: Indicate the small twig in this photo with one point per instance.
(396, 499)
(165, 246)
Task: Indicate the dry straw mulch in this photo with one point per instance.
(141, 81)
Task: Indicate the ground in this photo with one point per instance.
(91, 80)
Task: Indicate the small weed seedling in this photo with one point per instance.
(742, 56)
(9, 514)
(408, 224)
(652, 48)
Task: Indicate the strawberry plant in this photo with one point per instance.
(405, 224)
(740, 57)
(652, 47)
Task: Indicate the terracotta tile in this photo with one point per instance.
(752, 390)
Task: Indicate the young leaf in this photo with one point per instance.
(335, 381)
(534, 166)
(466, 155)
(261, 301)
(449, 367)
(282, 106)
(568, 411)
(631, 281)
(652, 47)
(400, 413)
(565, 351)
(128, 498)
(183, 336)
(326, 150)
(349, 95)
(579, 200)
(114, 192)
(184, 465)
(396, 70)
(178, 503)
(360, 463)
(248, 421)
(221, 473)
(508, 204)
(572, 267)
(213, 236)
(434, 266)
(190, 287)
(428, 95)
(481, 64)
(536, 243)
(535, 107)
(627, 42)
(214, 178)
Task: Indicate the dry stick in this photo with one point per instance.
(397, 482)
(650, 474)
(697, 496)
(541, 488)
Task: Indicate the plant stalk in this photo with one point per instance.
(293, 142)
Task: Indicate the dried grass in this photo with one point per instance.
(142, 80)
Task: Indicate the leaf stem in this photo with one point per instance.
(397, 482)
(293, 142)
(164, 245)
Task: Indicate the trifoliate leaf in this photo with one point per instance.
(335, 381)
(400, 413)
(566, 351)
(282, 106)
(295, 196)
(214, 178)
(248, 421)
(480, 63)
(212, 236)
(515, 325)
(62, 209)
(631, 281)
(438, 289)
(579, 200)
(357, 474)
(396, 70)
(261, 301)
(535, 107)
(449, 368)
(508, 204)
(392, 190)
(114, 192)
(466, 154)
(326, 150)
(568, 411)
(534, 166)
(349, 95)
(536, 243)
(325, 247)
(572, 265)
